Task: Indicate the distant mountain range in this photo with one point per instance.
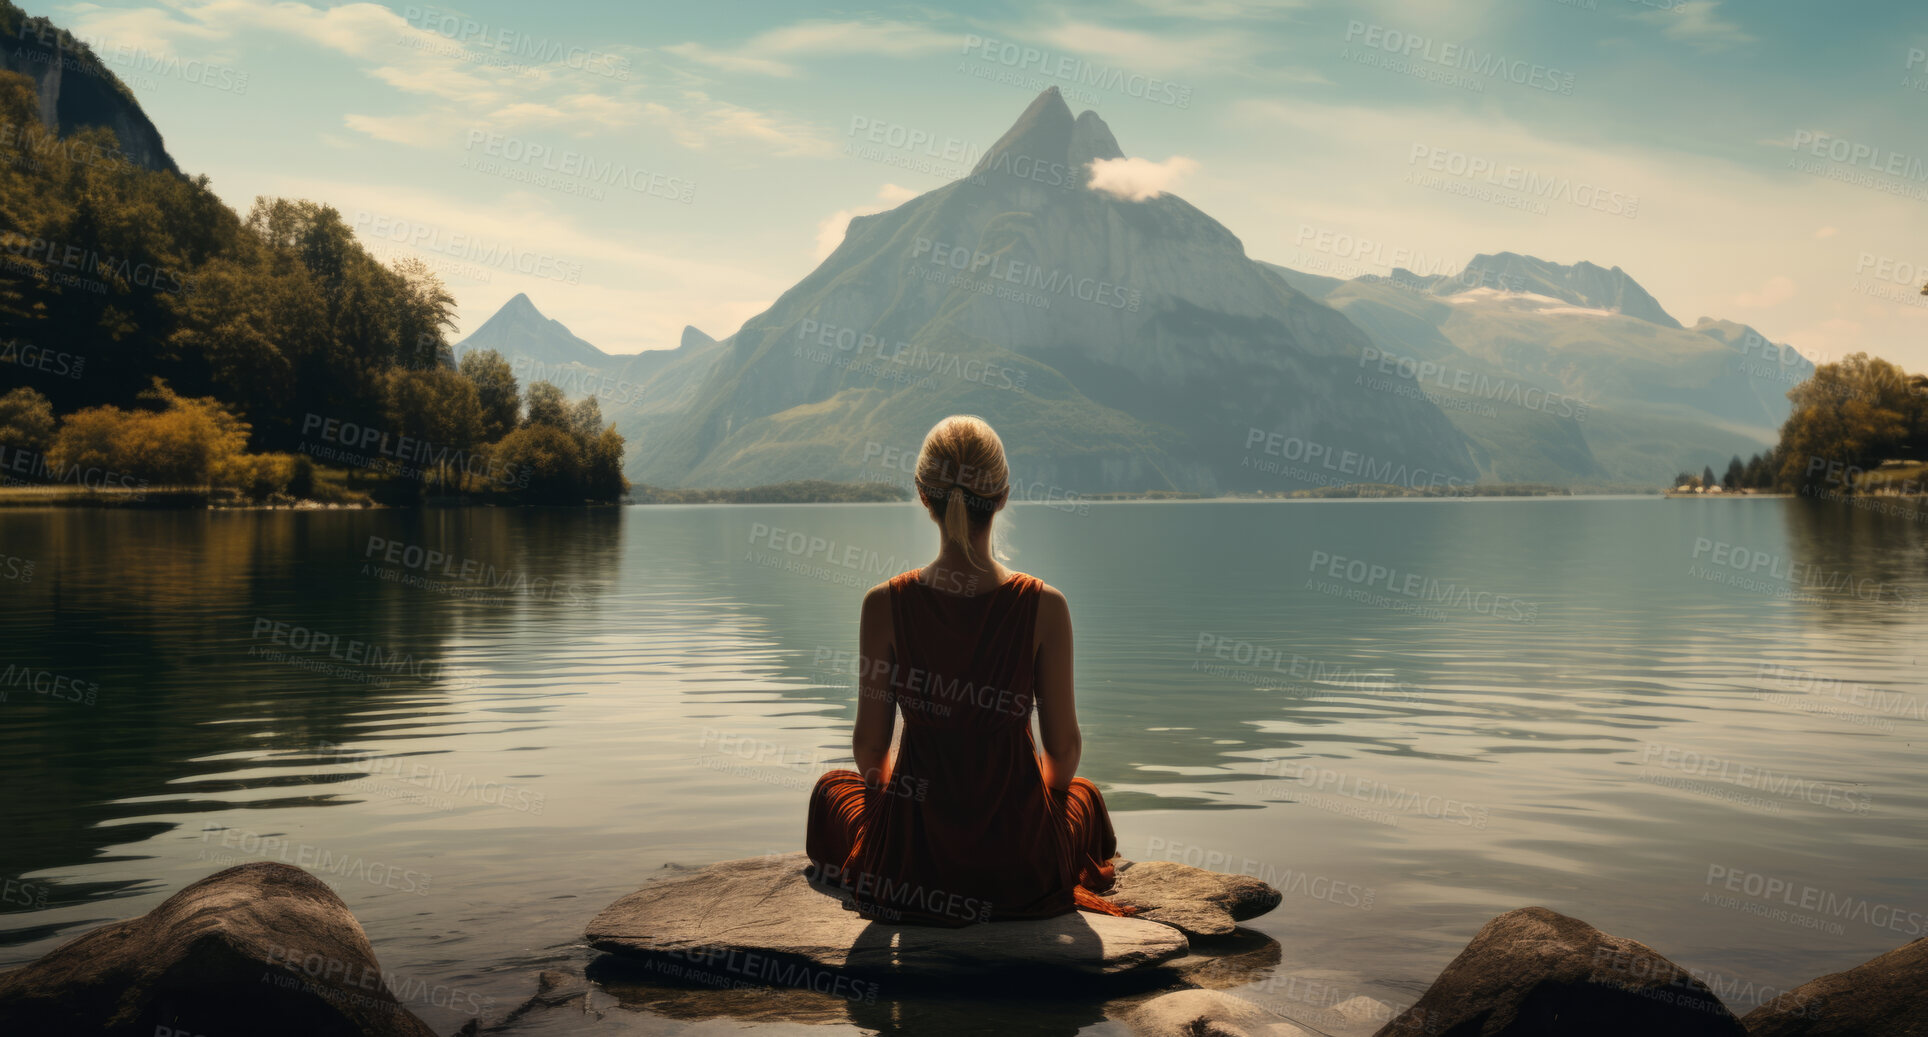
(1569, 373)
(1122, 345)
(540, 348)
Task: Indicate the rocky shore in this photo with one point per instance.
(267, 948)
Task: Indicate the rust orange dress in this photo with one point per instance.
(965, 830)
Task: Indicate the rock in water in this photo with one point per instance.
(1533, 971)
(761, 920)
(261, 948)
(1208, 1013)
(1194, 901)
(1887, 995)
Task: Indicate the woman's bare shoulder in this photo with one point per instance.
(1052, 604)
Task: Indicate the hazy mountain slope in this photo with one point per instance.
(1116, 344)
(1573, 373)
(649, 364)
(1765, 370)
(1521, 429)
(1314, 286)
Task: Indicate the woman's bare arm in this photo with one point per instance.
(1057, 711)
(876, 710)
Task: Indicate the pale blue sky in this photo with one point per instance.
(1669, 130)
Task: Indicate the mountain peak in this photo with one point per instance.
(518, 329)
(1047, 145)
(1043, 133)
(1091, 140)
(1583, 284)
(694, 338)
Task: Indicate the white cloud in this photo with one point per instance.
(450, 84)
(145, 28)
(725, 61)
(702, 120)
(360, 30)
(1139, 179)
(1220, 10)
(1151, 52)
(1777, 290)
(424, 130)
(1698, 24)
(765, 53)
(409, 58)
(832, 228)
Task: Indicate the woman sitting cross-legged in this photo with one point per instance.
(968, 820)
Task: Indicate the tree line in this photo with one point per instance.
(1848, 418)
(169, 337)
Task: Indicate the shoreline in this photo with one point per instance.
(54, 498)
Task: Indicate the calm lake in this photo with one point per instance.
(1698, 724)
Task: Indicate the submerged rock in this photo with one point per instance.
(260, 948)
(1209, 1013)
(1532, 971)
(761, 919)
(1885, 995)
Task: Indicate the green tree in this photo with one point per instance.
(26, 421)
(424, 310)
(89, 439)
(548, 463)
(187, 442)
(496, 389)
(1736, 476)
(1847, 418)
(439, 414)
(603, 470)
(585, 420)
(546, 405)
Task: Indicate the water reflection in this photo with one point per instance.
(232, 652)
(1017, 1003)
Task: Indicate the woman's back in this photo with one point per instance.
(967, 821)
(963, 829)
(963, 660)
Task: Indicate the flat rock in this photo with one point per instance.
(1208, 1013)
(1886, 995)
(1196, 902)
(1533, 971)
(261, 948)
(759, 918)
